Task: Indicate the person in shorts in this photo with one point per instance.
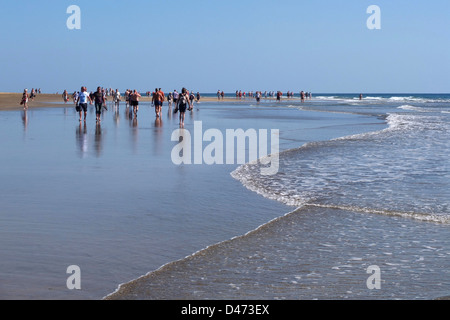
(82, 102)
(134, 101)
(158, 98)
(183, 104)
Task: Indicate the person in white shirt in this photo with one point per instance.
(82, 102)
(117, 98)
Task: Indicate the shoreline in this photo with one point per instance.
(11, 101)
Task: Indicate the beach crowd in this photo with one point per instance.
(182, 101)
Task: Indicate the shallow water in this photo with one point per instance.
(304, 256)
(109, 199)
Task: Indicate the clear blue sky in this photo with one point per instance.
(206, 45)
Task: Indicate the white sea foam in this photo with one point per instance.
(413, 108)
(313, 173)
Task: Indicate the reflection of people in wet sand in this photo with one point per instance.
(25, 119)
(81, 135)
(98, 139)
(158, 122)
(116, 116)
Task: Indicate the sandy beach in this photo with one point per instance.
(11, 101)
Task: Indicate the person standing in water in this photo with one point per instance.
(191, 99)
(183, 103)
(116, 98)
(157, 101)
(82, 100)
(134, 101)
(99, 100)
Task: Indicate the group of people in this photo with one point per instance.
(183, 101)
(28, 96)
(81, 99)
(132, 98)
(267, 94)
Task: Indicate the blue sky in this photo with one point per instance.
(205, 45)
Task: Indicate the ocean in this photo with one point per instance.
(362, 185)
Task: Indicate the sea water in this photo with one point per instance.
(361, 183)
(373, 199)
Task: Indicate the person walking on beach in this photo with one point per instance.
(32, 95)
(191, 98)
(99, 100)
(162, 98)
(258, 96)
(162, 95)
(127, 98)
(24, 100)
(116, 98)
(198, 96)
(175, 97)
(170, 99)
(82, 100)
(279, 94)
(65, 96)
(75, 97)
(183, 103)
(134, 101)
(157, 101)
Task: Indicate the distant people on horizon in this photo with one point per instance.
(116, 98)
(258, 96)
